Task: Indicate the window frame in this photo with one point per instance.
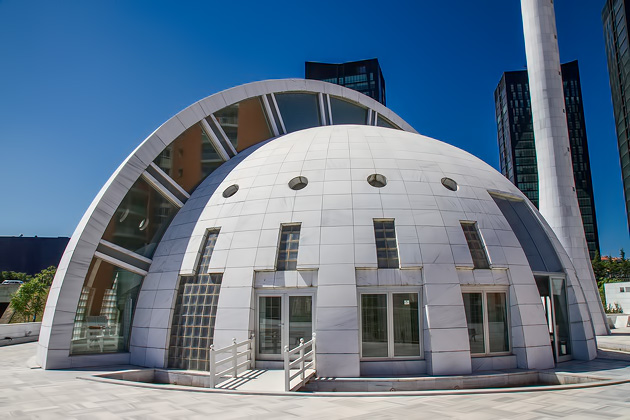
(284, 294)
(279, 250)
(389, 292)
(393, 221)
(486, 326)
(484, 248)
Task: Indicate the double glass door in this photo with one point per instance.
(283, 319)
(553, 295)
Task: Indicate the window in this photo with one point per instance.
(244, 123)
(298, 110)
(386, 247)
(538, 249)
(449, 184)
(487, 317)
(475, 245)
(140, 220)
(390, 325)
(192, 330)
(103, 320)
(344, 112)
(288, 248)
(298, 183)
(377, 180)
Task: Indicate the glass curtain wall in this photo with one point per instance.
(141, 219)
(105, 311)
(244, 123)
(190, 158)
(344, 112)
(298, 110)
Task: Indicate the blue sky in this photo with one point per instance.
(82, 83)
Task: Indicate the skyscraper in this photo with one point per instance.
(615, 20)
(364, 76)
(517, 146)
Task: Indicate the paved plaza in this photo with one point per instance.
(30, 392)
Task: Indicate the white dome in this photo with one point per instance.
(337, 264)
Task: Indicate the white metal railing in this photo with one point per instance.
(301, 363)
(232, 359)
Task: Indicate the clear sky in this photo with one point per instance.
(82, 83)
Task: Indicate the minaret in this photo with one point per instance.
(556, 186)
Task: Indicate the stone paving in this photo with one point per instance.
(34, 393)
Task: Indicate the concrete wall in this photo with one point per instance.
(614, 295)
(19, 333)
(6, 290)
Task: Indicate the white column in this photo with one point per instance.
(557, 197)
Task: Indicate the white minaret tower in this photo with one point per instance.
(556, 186)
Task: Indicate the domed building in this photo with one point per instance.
(285, 208)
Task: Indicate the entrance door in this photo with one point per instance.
(282, 320)
(553, 295)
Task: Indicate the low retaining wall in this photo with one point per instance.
(618, 320)
(19, 333)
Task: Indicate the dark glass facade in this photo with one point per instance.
(364, 76)
(615, 20)
(517, 150)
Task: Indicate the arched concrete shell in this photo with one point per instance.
(57, 323)
(337, 252)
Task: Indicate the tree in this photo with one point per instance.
(47, 275)
(29, 300)
(610, 270)
(13, 275)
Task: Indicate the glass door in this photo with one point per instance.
(269, 326)
(561, 318)
(553, 295)
(283, 320)
(300, 319)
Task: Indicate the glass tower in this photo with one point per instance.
(364, 76)
(615, 22)
(517, 150)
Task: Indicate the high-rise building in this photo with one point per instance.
(364, 76)
(615, 20)
(517, 146)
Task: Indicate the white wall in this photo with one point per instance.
(614, 295)
(19, 333)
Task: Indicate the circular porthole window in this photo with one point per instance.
(449, 184)
(377, 180)
(298, 183)
(230, 191)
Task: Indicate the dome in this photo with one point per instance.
(250, 213)
(442, 267)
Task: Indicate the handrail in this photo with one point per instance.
(233, 350)
(301, 362)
